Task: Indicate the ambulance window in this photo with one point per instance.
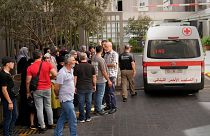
(173, 49)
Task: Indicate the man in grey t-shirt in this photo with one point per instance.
(101, 78)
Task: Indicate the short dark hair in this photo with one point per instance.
(90, 47)
(103, 41)
(6, 60)
(45, 50)
(99, 49)
(37, 54)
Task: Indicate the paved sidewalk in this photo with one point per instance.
(207, 64)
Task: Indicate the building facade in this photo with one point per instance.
(201, 18)
(119, 11)
(158, 11)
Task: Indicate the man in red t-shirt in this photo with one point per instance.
(42, 96)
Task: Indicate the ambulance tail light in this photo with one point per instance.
(144, 70)
(202, 68)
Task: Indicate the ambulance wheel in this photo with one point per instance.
(195, 91)
(192, 91)
(146, 91)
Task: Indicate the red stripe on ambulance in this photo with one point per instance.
(174, 63)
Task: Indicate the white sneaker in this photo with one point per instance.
(81, 121)
(88, 120)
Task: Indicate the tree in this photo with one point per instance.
(40, 21)
(138, 27)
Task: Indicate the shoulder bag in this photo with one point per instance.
(34, 80)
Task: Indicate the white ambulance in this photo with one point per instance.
(173, 59)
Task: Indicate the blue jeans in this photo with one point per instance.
(109, 94)
(10, 117)
(99, 94)
(67, 113)
(85, 98)
(42, 99)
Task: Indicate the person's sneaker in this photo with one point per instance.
(102, 112)
(81, 121)
(106, 108)
(124, 99)
(33, 127)
(51, 126)
(42, 130)
(134, 94)
(112, 111)
(88, 119)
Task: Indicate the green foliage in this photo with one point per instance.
(40, 21)
(205, 41)
(138, 27)
(137, 49)
(114, 46)
(133, 42)
(93, 44)
(109, 39)
(135, 46)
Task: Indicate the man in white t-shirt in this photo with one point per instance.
(64, 90)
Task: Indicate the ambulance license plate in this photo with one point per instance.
(175, 71)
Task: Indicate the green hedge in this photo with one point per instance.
(137, 49)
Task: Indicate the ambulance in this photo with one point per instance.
(173, 59)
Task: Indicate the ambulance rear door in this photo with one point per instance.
(173, 55)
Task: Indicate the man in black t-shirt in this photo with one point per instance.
(85, 81)
(7, 96)
(128, 71)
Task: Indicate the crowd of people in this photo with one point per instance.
(66, 79)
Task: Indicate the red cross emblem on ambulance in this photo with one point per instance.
(187, 31)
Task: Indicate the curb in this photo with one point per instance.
(207, 74)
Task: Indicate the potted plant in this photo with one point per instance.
(206, 42)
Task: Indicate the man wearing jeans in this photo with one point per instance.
(102, 76)
(42, 96)
(7, 97)
(64, 90)
(111, 59)
(85, 81)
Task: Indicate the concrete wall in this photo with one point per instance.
(207, 62)
(130, 9)
(131, 6)
(206, 25)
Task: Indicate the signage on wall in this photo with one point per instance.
(166, 5)
(143, 5)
